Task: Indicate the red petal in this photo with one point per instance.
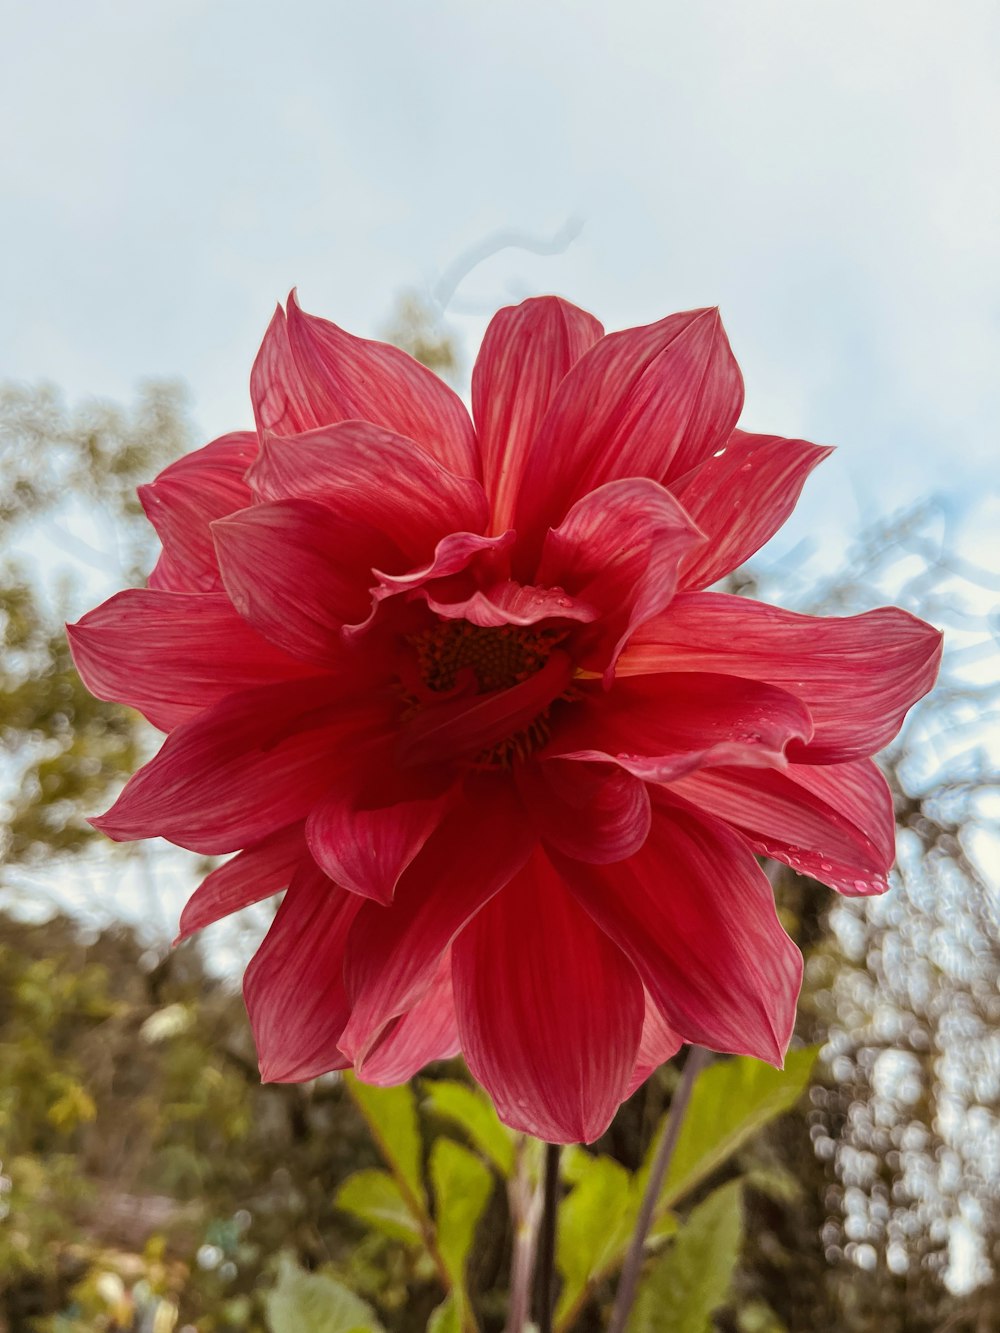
(647, 402)
(526, 352)
(549, 1010)
(171, 655)
(619, 549)
(370, 476)
(316, 374)
(659, 1044)
(509, 603)
(455, 554)
(184, 500)
(857, 674)
(661, 727)
(298, 573)
(740, 499)
(366, 851)
(248, 766)
(394, 951)
(833, 822)
(294, 988)
(593, 812)
(256, 873)
(696, 915)
(429, 1031)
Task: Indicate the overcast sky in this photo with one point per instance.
(825, 172)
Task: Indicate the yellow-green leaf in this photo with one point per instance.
(391, 1114)
(473, 1111)
(376, 1198)
(313, 1303)
(462, 1187)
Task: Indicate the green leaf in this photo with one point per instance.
(731, 1101)
(593, 1224)
(473, 1111)
(692, 1279)
(447, 1318)
(391, 1115)
(462, 1187)
(312, 1303)
(376, 1198)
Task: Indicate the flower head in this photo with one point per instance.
(455, 685)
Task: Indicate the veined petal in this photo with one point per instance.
(311, 373)
(857, 674)
(369, 475)
(394, 951)
(254, 762)
(661, 727)
(256, 873)
(619, 549)
(184, 500)
(298, 573)
(294, 987)
(427, 1032)
(526, 352)
(171, 655)
(594, 812)
(740, 498)
(659, 1044)
(508, 603)
(834, 822)
(695, 914)
(367, 850)
(647, 402)
(550, 1010)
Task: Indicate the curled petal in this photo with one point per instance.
(507, 603)
(253, 874)
(428, 1031)
(311, 373)
(394, 952)
(594, 812)
(550, 1010)
(183, 502)
(740, 498)
(661, 727)
(294, 987)
(857, 674)
(695, 914)
(619, 549)
(647, 402)
(834, 822)
(526, 352)
(659, 1044)
(171, 655)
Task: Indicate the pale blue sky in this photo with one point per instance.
(826, 172)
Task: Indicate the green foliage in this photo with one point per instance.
(691, 1280)
(314, 1303)
(391, 1116)
(375, 1198)
(472, 1111)
(462, 1186)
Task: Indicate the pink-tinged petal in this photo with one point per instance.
(317, 374)
(248, 766)
(427, 1032)
(695, 913)
(294, 986)
(367, 850)
(452, 555)
(368, 475)
(550, 1011)
(661, 727)
(619, 549)
(171, 655)
(593, 812)
(857, 674)
(394, 952)
(740, 498)
(472, 724)
(834, 822)
(647, 402)
(252, 875)
(184, 500)
(659, 1044)
(297, 573)
(526, 352)
(508, 603)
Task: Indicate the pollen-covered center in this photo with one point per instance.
(498, 657)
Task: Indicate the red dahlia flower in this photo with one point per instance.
(455, 685)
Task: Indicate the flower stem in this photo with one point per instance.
(544, 1291)
(696, 1060)
(525, 1196)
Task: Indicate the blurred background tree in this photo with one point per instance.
(147, 1176)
